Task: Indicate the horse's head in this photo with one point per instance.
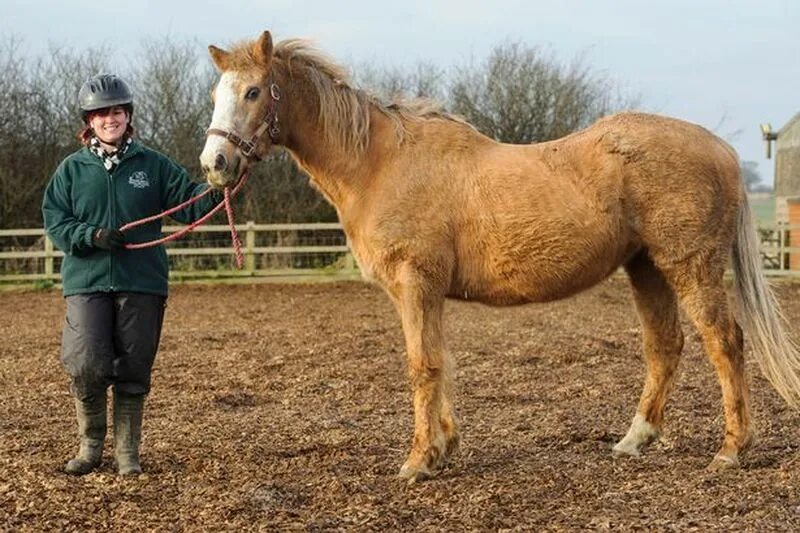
(245, 122)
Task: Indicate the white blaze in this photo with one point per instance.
(222, 118)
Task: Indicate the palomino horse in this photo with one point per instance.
(434, 210)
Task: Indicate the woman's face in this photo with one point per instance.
(109, 124)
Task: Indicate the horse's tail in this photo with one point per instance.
(762, 318)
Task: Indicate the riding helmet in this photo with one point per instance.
(104, 90)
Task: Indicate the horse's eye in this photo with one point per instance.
(252, 93)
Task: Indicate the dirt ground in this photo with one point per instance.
(286, 406)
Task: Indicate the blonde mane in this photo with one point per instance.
(344, 114)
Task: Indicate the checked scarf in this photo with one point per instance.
(110, 159)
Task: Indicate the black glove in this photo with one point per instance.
(109, 239)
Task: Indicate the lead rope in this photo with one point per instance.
(237, 243)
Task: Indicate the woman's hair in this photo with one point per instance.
(86, 133)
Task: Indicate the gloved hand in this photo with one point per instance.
(109, 239)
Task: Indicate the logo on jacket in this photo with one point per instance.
(139, 180)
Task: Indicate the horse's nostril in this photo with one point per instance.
(220, 163)
(205, 169)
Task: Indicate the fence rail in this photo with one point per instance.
(312, 249)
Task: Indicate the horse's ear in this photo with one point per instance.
(262, 49)
(219, 57)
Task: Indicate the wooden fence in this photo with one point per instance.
(780, 248)
(282, 250)
(270, 250)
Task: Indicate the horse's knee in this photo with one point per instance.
(422, 373)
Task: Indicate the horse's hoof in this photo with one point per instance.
(623, 449)
(413, 474)
(723, 462)
(639, 436)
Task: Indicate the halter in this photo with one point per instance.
(268, 124)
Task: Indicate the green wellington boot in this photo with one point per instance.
(128, 432)
(92, 433)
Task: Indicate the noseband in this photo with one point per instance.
(269, 124)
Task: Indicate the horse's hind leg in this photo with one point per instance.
(702, 294)
(663, 340)
(430, 372)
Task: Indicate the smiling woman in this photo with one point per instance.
(115, 295)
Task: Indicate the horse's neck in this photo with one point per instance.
(341, 175)
(335, 176)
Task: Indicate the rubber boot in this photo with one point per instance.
(92, 432)
(128, 432)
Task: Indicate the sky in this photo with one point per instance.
(728, 65)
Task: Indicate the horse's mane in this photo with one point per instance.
(344, 108)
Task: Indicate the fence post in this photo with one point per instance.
(250, 245)
(48, 260)
(782, 246)
(349, 259)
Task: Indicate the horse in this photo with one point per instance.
(433, 209)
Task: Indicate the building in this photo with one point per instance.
(787, 181)
(787, 166)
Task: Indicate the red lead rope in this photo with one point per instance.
(237, 244)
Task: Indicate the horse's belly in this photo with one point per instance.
(537, 272)
(526, 287)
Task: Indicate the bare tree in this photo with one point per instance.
(752, 177)
(424, 80)
(521, 94)
(173, 107)
(38, 122)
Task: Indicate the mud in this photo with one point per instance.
(286, 406)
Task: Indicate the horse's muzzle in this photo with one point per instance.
(222, 168)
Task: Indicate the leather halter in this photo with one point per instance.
(269, 124)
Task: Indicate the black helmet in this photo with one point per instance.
(104, 90)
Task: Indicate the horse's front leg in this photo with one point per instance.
(420, 305)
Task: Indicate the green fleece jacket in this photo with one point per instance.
(83, 197)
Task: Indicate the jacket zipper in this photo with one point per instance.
(111, 224)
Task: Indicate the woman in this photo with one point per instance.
(115, 298)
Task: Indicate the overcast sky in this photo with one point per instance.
(728, 65)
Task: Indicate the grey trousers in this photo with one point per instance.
(111, 339)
